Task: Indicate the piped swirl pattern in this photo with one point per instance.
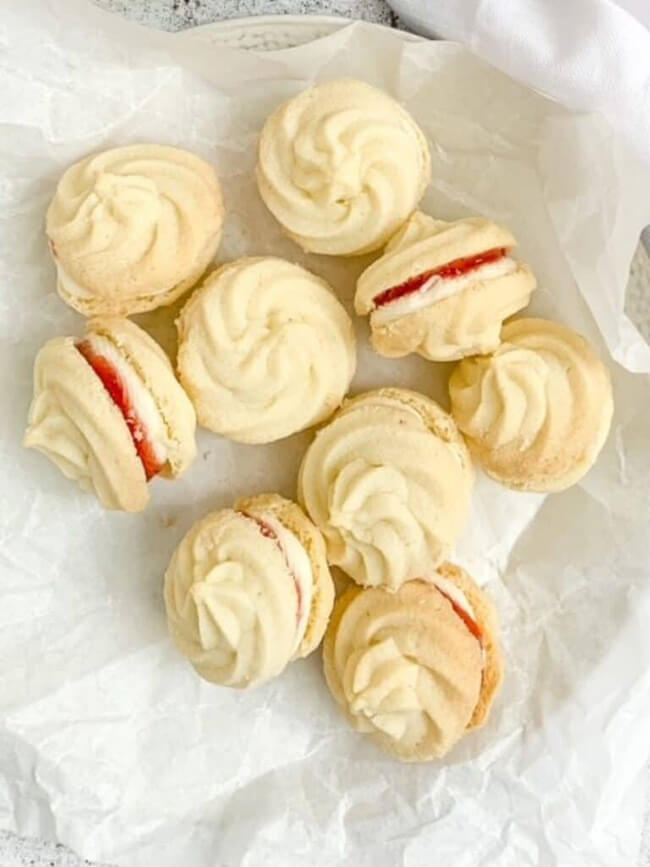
(231, 601)
(388, 482)
(404, 668)
(341, 167)
(265, 350)
(133, 227)
(537, 411)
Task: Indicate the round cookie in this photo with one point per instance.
(265, 350)
(443, 289)
(109, 412)
(418, 668)
(536, 412)
(133, 228)
(341, 166)
(248, 590)
(388, 482)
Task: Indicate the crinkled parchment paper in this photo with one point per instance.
(108, 740)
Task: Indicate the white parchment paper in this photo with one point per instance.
(108, 740)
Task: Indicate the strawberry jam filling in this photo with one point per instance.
(456, 268)
(119, 394)
(267, 531)
(469, 621)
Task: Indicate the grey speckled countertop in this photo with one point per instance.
(176, 15)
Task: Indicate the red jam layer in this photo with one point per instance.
(452, 269)
(118, 393)
(268, 532)
(469, 622)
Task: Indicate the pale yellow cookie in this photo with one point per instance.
(341, 166)
(536, 412)
(248, 590)
(388, 482)
(292, 517)
(133, 228)
(109, 412)
(443, 289)
(418, 668)
(265, 350)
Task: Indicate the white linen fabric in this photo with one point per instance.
(591, 55)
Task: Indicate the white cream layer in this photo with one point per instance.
(448, 588)
(437, 288)
(140, 397)
(300, 566)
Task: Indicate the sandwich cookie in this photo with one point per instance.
(109, 412)
(416, 669)
(536, 412)
(342, 166)
(133, 228)
(248, 590)
(388, 482)
(443, 289)
(265, 350)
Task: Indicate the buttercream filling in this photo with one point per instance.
(461, 605)
(463, 608)
(299, 566)
(132, 398)
(432, 286)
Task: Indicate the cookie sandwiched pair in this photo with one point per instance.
(443, 289)
(388, 481)
(133, 228)
(537, 411)
(341, 166)
(265, 349)
(108, 411)
(416, 669)
(248, 590)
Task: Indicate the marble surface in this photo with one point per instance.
(177, 15)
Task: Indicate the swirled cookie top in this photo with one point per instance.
(537, 411)
(231, 599)
(404, 667)
(133, 221)
(388, 482)
(341, 166)
(265, 350)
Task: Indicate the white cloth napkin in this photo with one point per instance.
(591, 55)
